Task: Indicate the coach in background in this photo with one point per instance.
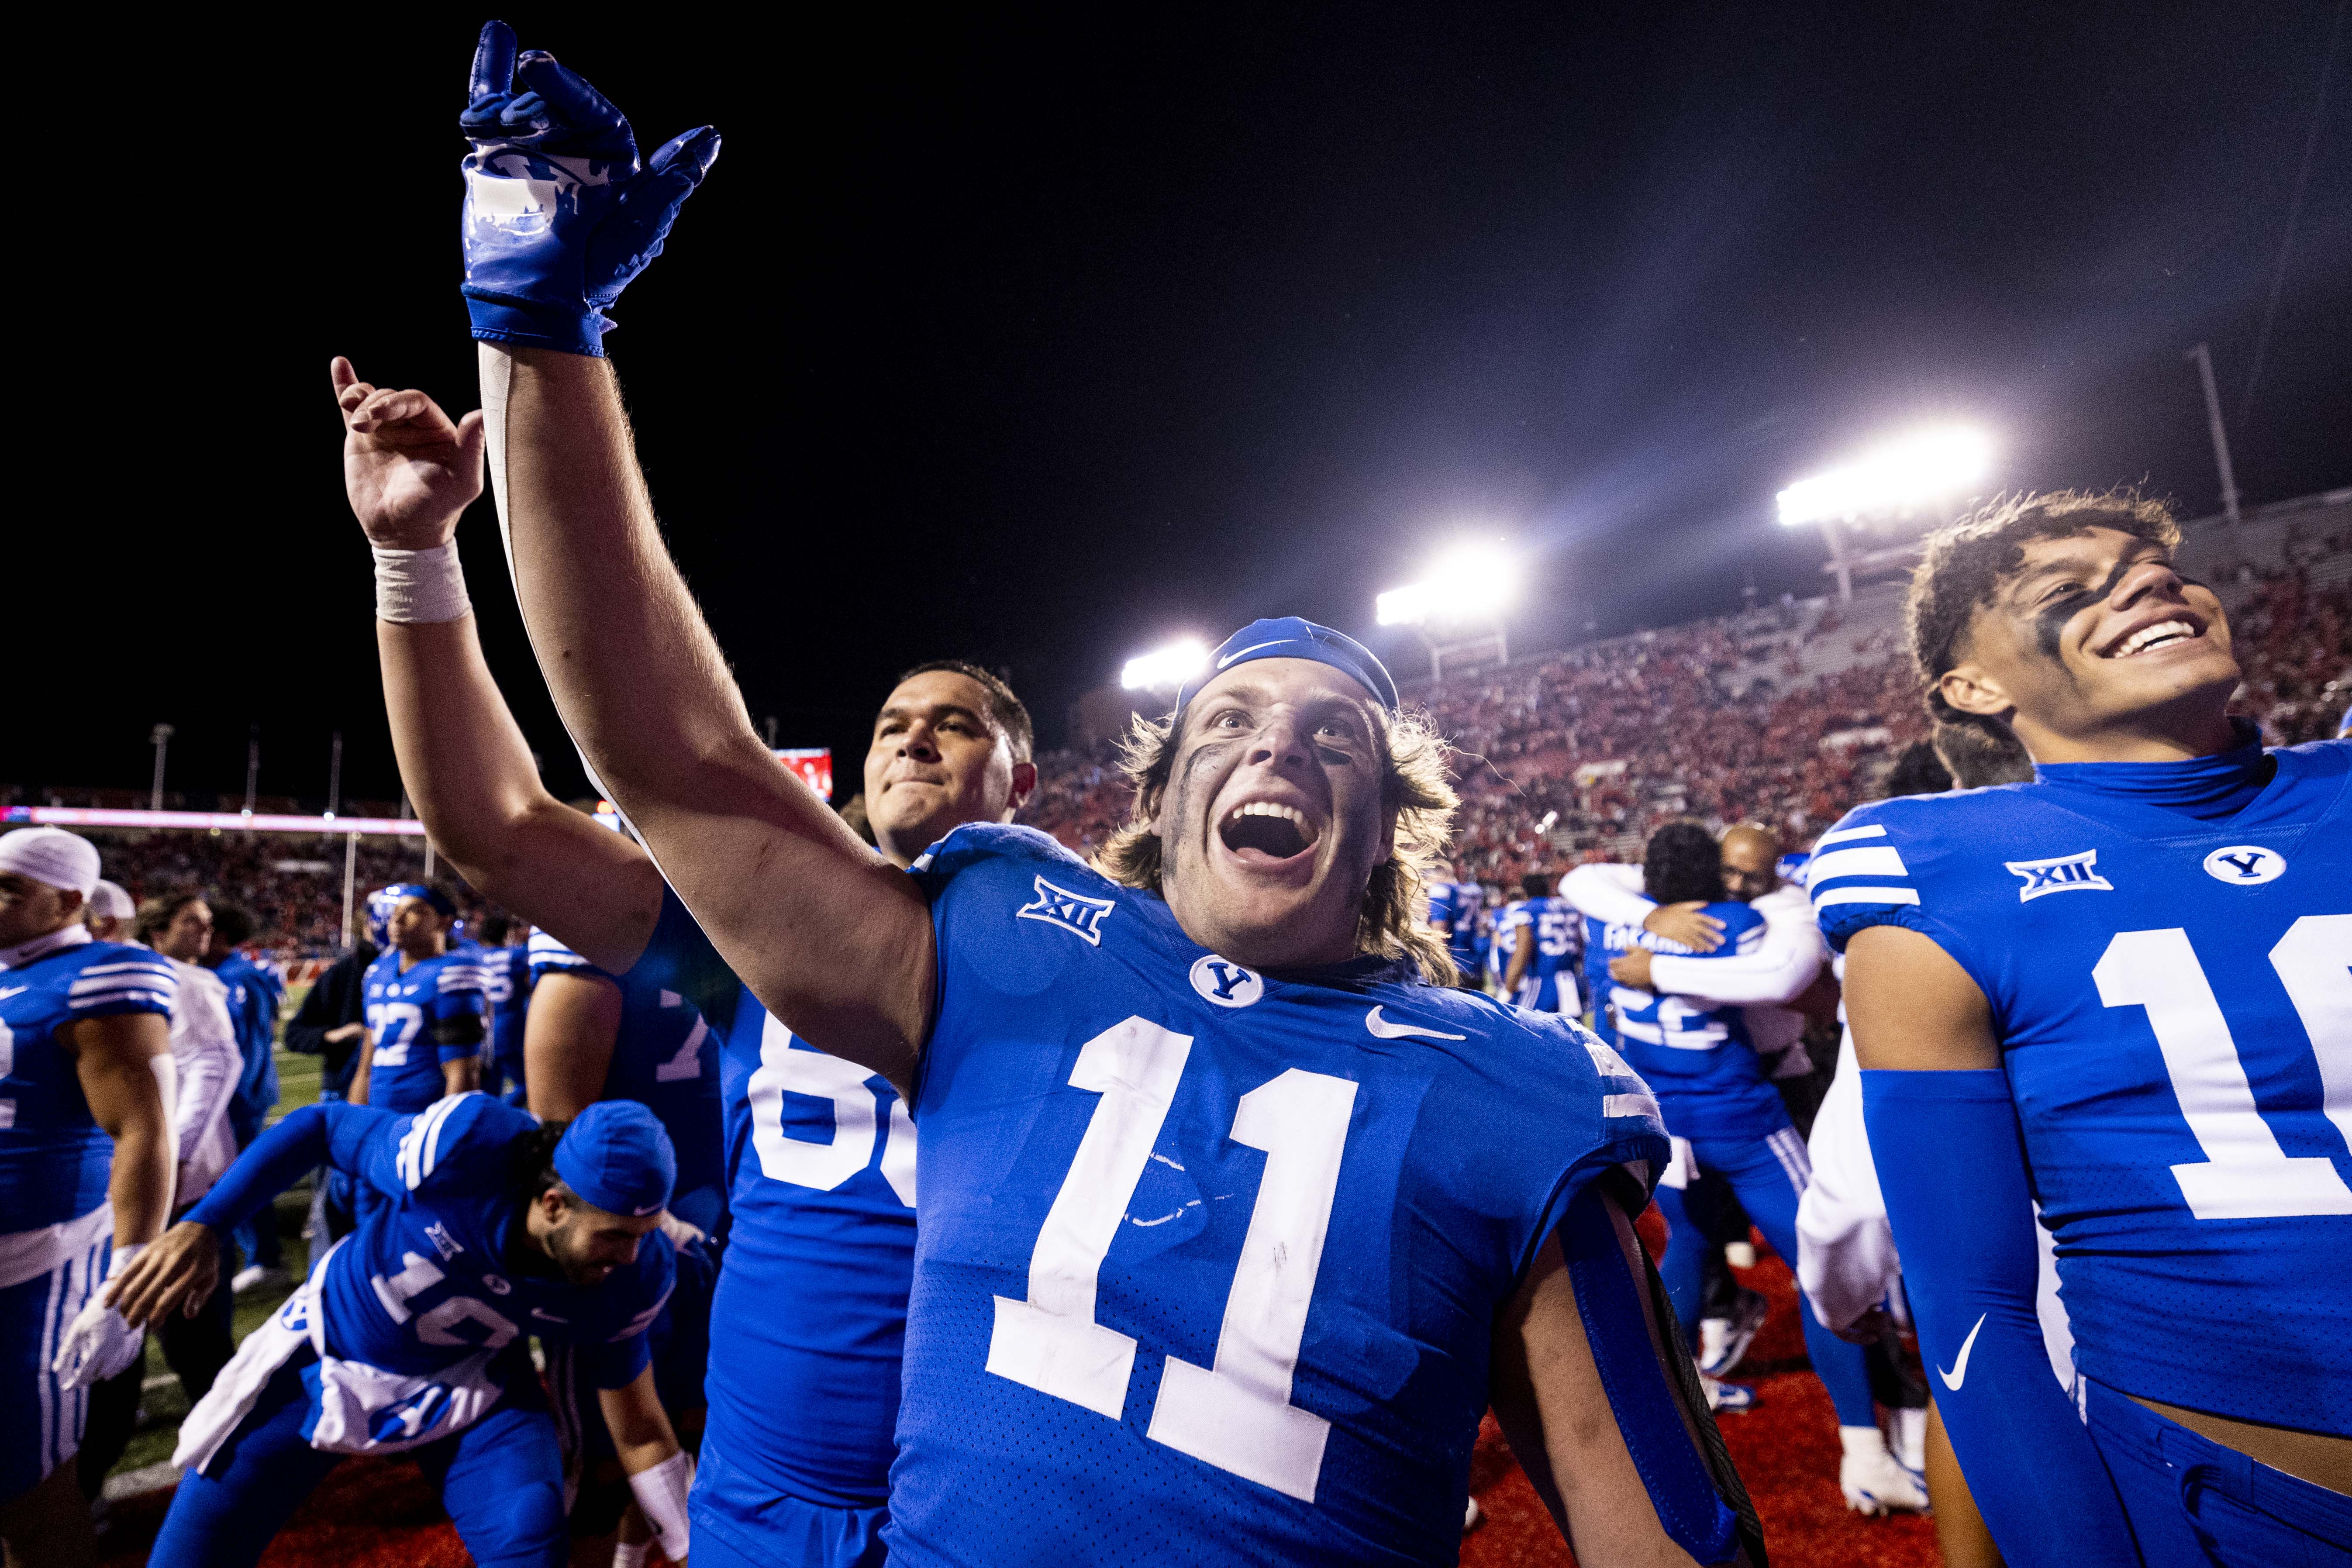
(85, 1173)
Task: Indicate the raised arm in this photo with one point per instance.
(410, 473)
(836, 943)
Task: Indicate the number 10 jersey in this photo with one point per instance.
(1208, 1260)
(2175, 1008)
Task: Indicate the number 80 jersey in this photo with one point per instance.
(2175, 1009)
(1207, 1260)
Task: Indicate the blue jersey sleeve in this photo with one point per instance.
(126, 980)
(549, 956)
(681, 958)
(329, 1133)
(1877, 866)
(460, 1007)
(458, 1146)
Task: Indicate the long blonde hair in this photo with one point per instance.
(1394, 919)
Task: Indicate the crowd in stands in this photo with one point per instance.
(1581, 755)
(1564, 757)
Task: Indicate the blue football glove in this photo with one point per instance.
(559, 212)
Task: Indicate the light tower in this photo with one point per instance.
(1881, 496)
(1457, 608)
(160, 737)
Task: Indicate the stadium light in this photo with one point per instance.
(1924, 468)
(1913, 471)
(1165, 669)
(1473, 582)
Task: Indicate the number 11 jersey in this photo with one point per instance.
(1207, 1260)
(2175, 1009)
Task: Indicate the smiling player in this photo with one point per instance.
(2120, 990)
(1232, 1224)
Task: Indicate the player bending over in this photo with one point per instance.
(2120, 990)
(1232, 1225)
(409, 1336)
(810, 1314)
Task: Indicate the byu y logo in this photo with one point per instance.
(2248, 865)
(1074, 913)
(2061, 873)
(1225, 983)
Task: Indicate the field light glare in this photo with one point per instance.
(1166, 669)
(1474, 583)
(1911, 472)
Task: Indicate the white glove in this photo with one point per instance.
(98, 1343)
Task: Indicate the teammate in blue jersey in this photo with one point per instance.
(410, 1335)
(1232, 1224)
(819, 1153)
(2121, 992)
(256, 991)
(1457, 912)
(86, 1172)
(1541, 974)
(426, 1013)
(506, 985)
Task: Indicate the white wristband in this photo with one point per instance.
(125, 1255)
(415, 587)
(661, 1491)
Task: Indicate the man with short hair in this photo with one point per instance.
(426, 1013)
(410, 1337)
(86, 1169)
(796, 1454)
(1241, 1015)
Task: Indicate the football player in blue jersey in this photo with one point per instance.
(1542, 972)
(86, 1172)
(506, 985)
(1152, 1106)
(1457, 912)
(255, 991)
(810, 1306)
(427, 1012)
(1728, 1122)
(410, 1334)
(2120, 991)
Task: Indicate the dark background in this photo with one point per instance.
(1035, 339)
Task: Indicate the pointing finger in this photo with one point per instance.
(494, 61)
(341, 374)
(575, 104)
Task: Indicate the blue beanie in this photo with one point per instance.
(1290, 636)
(617, 1158)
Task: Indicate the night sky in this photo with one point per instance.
(1035, 339)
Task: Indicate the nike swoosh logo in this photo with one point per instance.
(14, 991)
(544, 1316)
(1243, 652)
(1385, 1030)
(1959, 1373)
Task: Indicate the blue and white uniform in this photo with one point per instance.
(809, 1315)
(665, 1058)
(1726, 1122)
(409, 1006)
(55, 1164)
(1458, 906)
(506, 985)
(409, 1336)
(1548, 985)
(1503, 940)
(1209, 1259)
(2164, 949)
(255, 991)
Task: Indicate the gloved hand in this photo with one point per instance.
(98, 1343)
(559, 214)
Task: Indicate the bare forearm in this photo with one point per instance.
(139, 1187)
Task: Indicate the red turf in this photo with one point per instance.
(376, 1513)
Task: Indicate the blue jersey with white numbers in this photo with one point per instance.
(1209, 1260)
(1460, 905)
(1695, 1058)
(506, 985)
(53, 1159)
(403, 1008)
(2175, 1022)
(1548, 985)
(666, 1059)
(809, 1321)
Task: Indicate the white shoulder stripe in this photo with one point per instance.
(432, 1140)
(163, 999)
(1637, 1105)
(131, 966)
(1878, 861)
(1872, 830)
(420, 1146)
(1865, 896)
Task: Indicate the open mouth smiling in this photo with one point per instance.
(1269, 832)
(2172, 629)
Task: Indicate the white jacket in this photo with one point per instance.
(205, 1050)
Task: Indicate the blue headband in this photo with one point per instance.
(617, 1158)
(431, 895)
(1289, 637)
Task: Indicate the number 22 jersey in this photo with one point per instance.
(1208, 1260)
(2175, 1008)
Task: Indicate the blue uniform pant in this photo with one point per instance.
(739, 1523)
(1768, 1175)
(40, 1420)
(2192, 1503)
(501, 1480)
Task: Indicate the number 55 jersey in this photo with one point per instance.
(1208, 1260)
(2175, 1008)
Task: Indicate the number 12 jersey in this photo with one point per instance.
(2175, 1008)
(1208, 1260)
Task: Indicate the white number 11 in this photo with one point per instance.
(1236, 1414)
